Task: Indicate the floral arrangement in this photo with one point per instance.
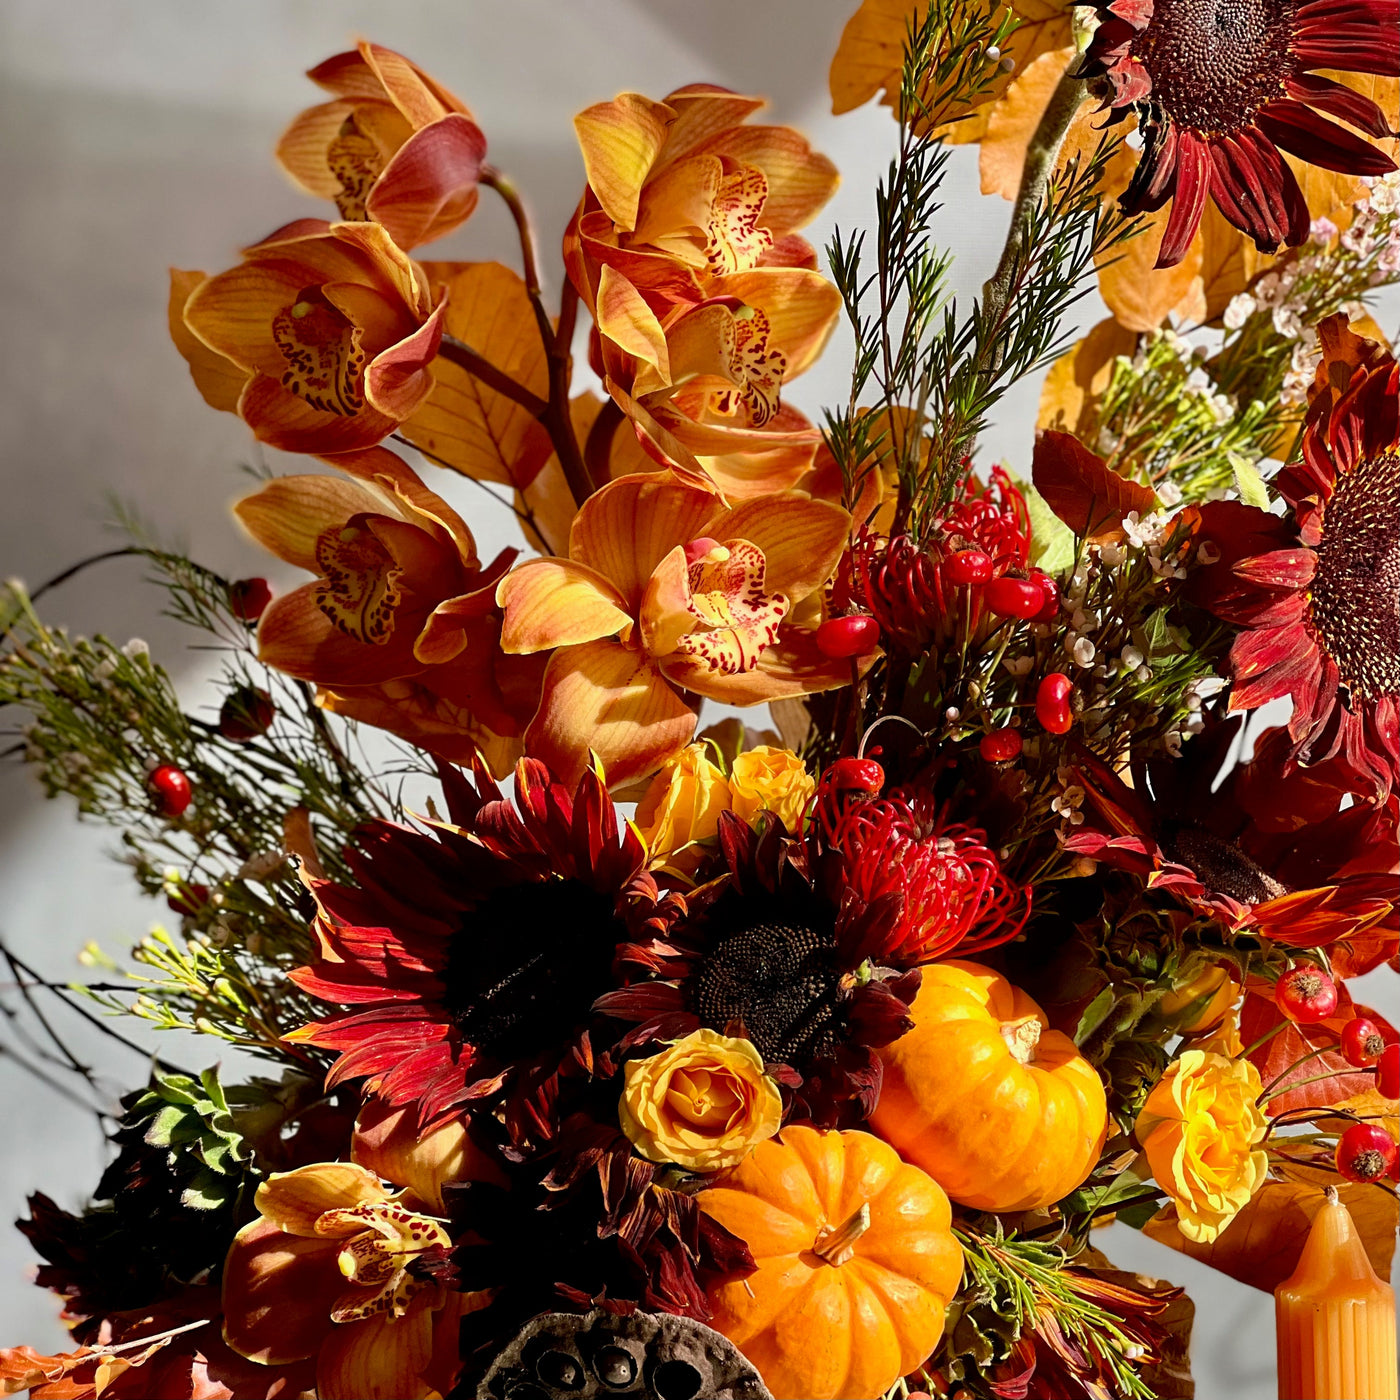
(812, 1073)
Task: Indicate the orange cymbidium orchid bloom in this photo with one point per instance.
(401, 622)
(331, 328)
(683, 190)
(395, 146)
(706, 301)
(327, 1271)
(704, 379)
(669, 593)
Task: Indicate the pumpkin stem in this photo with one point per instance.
(836, 1246)
(1021, 1038)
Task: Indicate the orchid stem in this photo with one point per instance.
(558, 342)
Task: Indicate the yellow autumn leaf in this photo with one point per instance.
(1262, 1244)
(870, 56)
(1080, 375)
(465, 424)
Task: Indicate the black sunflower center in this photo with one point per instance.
(1356, 589)
(1221, 866)
(1215, 63)
(526, 965)
(779, 977)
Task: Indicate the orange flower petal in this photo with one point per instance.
(294, 1201)
(802, 309)
(613, 700)
(398, 380)
(296, 637)
(280, 419)
(429, 187)
(421, 98)
(381, 1358)
(800, 181)
(801, 539)
(303, 148)
(290, 513)
(278, 1291)
(702, 112)
(625, 319)
(791, 666)
(620, 141)
(218, 379)
(666, 616)
(555, 603)
(626, 529)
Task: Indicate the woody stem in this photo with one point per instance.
(557, 340)
(1041, 155)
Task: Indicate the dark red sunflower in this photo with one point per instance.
(464, 963)
(781, 950)
(1317, 593)
(1223, 852)
(1222, 88)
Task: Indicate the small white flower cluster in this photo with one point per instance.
(1068, 800)
(1363, 238)
(1150, 532)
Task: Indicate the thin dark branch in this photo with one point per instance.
(459, 353)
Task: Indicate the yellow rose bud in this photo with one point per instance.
(1200, 1127)
(681, 807)
(703, 1104)
(774, 780)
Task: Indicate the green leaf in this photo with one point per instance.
(1094, 1015)
(1253, 491)
(164, 1126)
(1137, 1216)
(1052, 541)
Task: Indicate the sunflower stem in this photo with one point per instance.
(1041, 156)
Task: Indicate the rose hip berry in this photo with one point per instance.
(1388, 1072)
(1052, 707)
(1365, 1152)
(1014, 597)
(969, 566)
(842, 637)
(1050, 596)
(249, 597)
(171, 789)
(1000, 745)
(1362, 1042)
(1306, 994)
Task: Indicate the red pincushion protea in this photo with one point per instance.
(953, 896)
(1318, 594)
(1226, 853)
(466, 962)
(1222, 88)
(906, 585)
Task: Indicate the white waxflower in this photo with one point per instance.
(1238, 310)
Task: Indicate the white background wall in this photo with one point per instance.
(137, 134)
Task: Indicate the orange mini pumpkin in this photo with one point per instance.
(856, 1264)
(1004, 1113)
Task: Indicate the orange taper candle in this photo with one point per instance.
(1336, 1319)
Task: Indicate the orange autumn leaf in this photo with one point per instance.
(1086, 494)
(870, 56)
(465, 424)
(1141, 295)
(1262, 1244)
(1080, 375)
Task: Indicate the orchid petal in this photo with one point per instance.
(557, 603)
(620, 141)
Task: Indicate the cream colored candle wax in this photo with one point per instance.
(1336, 1319)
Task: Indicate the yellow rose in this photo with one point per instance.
(681, 807)
(1200, 1127)
(774, 780)
(703, 1104)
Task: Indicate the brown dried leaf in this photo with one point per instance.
(1085, 493)
(1262, 1244)
(1080, 375)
